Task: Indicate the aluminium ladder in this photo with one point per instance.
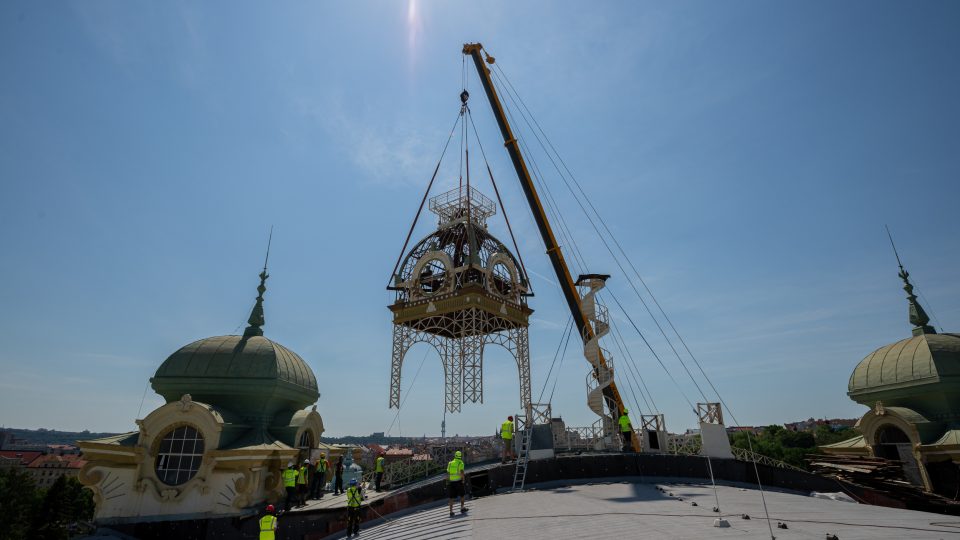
(520, 473)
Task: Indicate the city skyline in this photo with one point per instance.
(748, 157)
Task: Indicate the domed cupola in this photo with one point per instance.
(250, 375)
(921, 372)
(461, 255)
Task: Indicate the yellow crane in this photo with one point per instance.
(567, 284)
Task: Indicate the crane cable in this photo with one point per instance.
(600, 234)
(663, 312)
(423, 201)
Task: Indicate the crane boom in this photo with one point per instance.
(567, 283)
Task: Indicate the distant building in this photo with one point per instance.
(17, 458)
(811, 424)
(236, 412)
(47, 468)
(912, 389)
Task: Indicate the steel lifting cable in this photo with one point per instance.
(538, 178)
(563, 355)
(603, 239)
(423, 201)
(626, 379)
(631, 368)
(614, 238)
(407, 394)
(633, 361)
(563, 337)
(499, 200)
(633, 267)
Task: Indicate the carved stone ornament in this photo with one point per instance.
(186, 403)
(878, 409)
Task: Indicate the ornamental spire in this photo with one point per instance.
(918, 317)
(256, 320)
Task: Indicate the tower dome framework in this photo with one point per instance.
(460, 289)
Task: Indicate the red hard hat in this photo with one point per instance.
(270, 508)
(509, 418)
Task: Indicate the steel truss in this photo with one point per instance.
(462, 354)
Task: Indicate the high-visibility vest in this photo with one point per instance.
(624, 423)
(302, 477)
(322, 466)
(354, 497)
(506, 430)
(455, 469)
(268, 525)
(380, 461)
(289, 477)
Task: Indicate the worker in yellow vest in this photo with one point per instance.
(303, 476)
(626, 431)
(379, 470)
(290, 484)
(506, 433)
(319, 478)
(268, 525)
(455, 472)
(354, 499)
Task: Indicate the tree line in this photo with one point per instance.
(27, 512)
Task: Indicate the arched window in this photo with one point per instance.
(179, 456)
(306, 439)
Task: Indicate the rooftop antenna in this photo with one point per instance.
(257, 320)
(918, 317)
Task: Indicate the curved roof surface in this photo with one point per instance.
(920, 359)
(233, 357)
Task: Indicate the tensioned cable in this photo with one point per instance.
(604, 241)
(563, 337)
(549, 200)
(636, 402)
(663, 312)
(499, 200)
(407, 394)
(633, 362)
(563, 355)
(424, 200)
(631, 367)
(655, 355)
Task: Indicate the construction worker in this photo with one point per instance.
(506, 433)
(290, 484)
(338, 477)
(354, 499)
(268, 525)
(302, 482)
(319, 478)
(379, 470)
(626, 431)
(455, 472)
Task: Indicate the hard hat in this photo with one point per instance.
(307, 461)
(458, 454)
(509, 418)
(289, 464)
(353, 482)
(270, 508)
(323, 455)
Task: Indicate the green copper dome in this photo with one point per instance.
(238, 372)
(249, 374)
(919, 360)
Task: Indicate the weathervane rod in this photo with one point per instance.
(269, 241)
(897, 255)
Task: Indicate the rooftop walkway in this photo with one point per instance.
(568, 510)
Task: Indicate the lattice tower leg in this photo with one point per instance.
(471, 347)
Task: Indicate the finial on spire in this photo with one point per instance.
(256, 319)
(918, 317)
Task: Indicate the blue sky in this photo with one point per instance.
(746, 155)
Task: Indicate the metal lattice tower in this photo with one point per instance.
(460, 289)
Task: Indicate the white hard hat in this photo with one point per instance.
(289, 464)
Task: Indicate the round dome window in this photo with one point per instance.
(433, 276)
(179, 455)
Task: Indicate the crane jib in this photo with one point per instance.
(526, 182)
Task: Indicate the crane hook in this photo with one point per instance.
(464, 96)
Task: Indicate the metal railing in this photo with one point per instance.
(742, 454)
